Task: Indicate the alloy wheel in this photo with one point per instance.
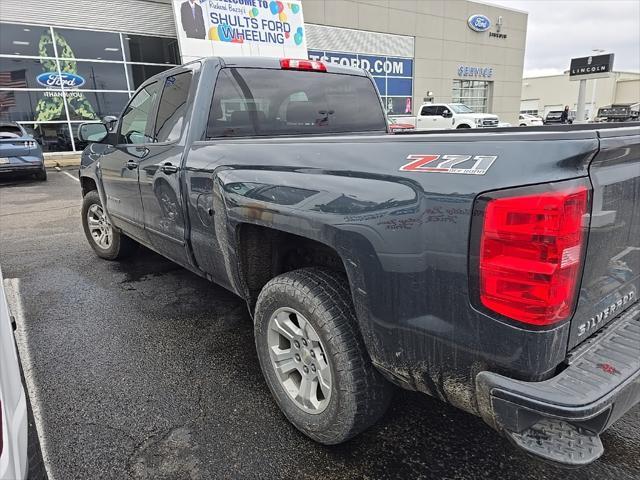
(299, 360)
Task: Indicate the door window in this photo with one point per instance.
(172, 108)
(137, 114)
(429, 111)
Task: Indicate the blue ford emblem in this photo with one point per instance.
(479, 23)
(66, 80)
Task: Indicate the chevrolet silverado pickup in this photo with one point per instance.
(497, 270)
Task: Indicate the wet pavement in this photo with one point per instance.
(144, 370)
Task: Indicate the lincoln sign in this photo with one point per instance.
(596, 66)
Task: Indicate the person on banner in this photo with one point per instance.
(192, 20)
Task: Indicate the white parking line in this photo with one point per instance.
(71, 176)
(12, 291)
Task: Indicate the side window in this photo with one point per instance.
(429, 111)
(172, 107)
(137, 114)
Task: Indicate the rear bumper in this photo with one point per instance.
(599, 386)
(24, 165)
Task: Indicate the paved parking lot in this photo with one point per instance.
(144, 370)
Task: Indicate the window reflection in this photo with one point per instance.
(25, 40)
(53, 137)
(84, 44)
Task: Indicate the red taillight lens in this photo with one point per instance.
(530, 255)
(295, 64)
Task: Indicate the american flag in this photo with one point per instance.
(7, 100)
(13, 79)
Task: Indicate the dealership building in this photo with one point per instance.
(540, 95)
(63, 62)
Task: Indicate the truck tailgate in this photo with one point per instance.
(611, 278)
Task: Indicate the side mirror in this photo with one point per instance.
(92, 132)
(447, 114)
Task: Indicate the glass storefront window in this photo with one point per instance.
(25, 106)
(87, 45)
(397, 105)
(144, 49)
(86, 77)
(138, 74)
(97, 75)
(95, 105)
(23, 72)
(33, 40)
(53, 137)
(473, 93)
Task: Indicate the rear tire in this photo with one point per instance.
(107, 241)
(314, 309)
(42, 175)
(463, 126)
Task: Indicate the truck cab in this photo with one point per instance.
(445, 116)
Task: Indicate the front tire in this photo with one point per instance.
(313, 357)
(107, 241)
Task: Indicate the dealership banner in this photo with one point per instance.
(265, 28)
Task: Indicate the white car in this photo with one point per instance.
(443, 116)
(13, 403)
(527, 120)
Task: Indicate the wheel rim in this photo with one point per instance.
(299, 360)
(99, 227)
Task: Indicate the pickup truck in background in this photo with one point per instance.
(446, 116)
(621, 112)
(495, 270)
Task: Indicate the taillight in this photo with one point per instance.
(530, 254)
(30, 144)
(295, 64)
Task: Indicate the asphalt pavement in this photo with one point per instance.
(143, 370)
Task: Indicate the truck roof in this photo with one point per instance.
(268, 62)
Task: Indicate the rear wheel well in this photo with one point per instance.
(87, 184)
(265, 253)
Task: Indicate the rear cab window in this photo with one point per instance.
(265, 102)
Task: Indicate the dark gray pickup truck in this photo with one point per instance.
(497, 271)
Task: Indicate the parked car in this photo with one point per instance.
(440, 116)
(555, 116)
(19, 152)
(497, 273)
(526, 120)
(397, 125)
(13, 403)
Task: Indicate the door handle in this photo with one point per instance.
(169, 168)
(131, 164)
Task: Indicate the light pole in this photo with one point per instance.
(595, 82)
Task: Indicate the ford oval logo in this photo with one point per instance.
(479, 23)
(66, 80)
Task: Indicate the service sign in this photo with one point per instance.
(265, 28)
(596, 66)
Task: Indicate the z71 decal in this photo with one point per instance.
(462, 164)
